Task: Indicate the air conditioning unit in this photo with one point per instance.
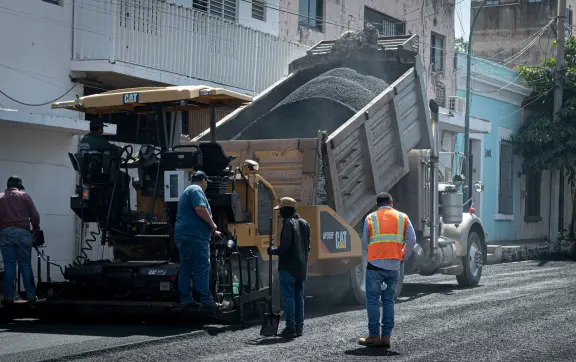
(457, 104)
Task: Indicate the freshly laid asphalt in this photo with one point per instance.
(523, 311)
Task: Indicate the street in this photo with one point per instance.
(521, 312)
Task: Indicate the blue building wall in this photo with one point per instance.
(501, 114)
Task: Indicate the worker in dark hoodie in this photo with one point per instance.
(292, 254)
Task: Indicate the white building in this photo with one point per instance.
(58, 49)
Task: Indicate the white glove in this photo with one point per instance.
(363, 266)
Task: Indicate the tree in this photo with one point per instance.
(544, 144)
(461, 45)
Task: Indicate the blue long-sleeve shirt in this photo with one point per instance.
(390, 264)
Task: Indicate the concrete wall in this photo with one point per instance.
(421, 17)
(35, 56)
(34, 68)
(40, 158)
(504, 30)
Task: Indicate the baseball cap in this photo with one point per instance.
(15, 181)
(286, 202)
(200, 176)
(97, 123)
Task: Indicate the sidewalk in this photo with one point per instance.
(519, 250)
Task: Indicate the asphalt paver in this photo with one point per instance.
(522, 311)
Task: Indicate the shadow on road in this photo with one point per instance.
(371, 352)
(268, 341)
(543, 260)
(112, 328)
(412, 291)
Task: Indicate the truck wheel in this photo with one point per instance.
(355, 278)
(356, 282)
(472, 262)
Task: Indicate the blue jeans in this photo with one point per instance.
(194, 258)
(374, 280)
(293, 297)
(16, 247)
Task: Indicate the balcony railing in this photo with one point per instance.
(179, 40)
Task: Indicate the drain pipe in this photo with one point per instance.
(434, 217)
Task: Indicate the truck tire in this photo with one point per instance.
(356, 282)
(472, 262)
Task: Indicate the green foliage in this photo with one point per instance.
(544, 144)
(461, 45)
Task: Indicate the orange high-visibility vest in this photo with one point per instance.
(386, 230)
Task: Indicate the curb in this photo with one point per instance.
(498, 254)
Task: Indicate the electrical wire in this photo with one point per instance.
(50, 263)
(39, 104)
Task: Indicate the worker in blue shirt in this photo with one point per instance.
(192, 233)
(383, 252)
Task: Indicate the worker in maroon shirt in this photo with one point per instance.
(17, 213)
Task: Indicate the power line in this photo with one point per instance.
(39, 104)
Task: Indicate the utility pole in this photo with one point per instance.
(558, 89)
(467, 168)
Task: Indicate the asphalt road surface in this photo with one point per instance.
(522, 311)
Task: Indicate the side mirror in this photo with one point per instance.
(478, 187)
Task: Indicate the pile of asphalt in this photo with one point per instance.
(559, 250)
(324, 103)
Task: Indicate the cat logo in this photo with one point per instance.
(130, 98)
(335, 236)
(341, 239)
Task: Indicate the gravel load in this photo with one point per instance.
(322, 104)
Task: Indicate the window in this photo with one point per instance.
(532, 201)
(386, 25)
(221, 8)
(264, 209)
(258, 10)
(505, 189)
(310, 14)
(492, 2)
(437, 53)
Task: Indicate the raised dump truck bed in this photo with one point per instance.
(355, 158)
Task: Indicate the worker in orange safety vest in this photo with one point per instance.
(383, 252)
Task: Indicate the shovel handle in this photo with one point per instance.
(270, 267)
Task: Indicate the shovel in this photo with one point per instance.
(271, 320)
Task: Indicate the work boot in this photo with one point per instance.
(288, 333)
(371, 341)
(299, 332)
(385, 340)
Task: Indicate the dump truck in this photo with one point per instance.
(359, 123)
(335, 169)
